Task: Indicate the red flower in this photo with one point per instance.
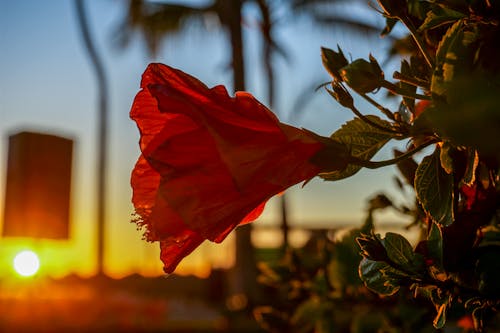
(420, 107)
(466, 322)
(209, 161)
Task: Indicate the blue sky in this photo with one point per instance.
(47, 84)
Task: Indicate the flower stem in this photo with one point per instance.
(382, 109)
(414, 81)
(398, 91)
(371, 123)
(409, 25)
(379, 164)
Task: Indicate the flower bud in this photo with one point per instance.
(363, 76)
(341, 95)
(333, 61)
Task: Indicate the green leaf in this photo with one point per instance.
(314, 314)
(341, 95)
(363, 139)
(372, 247)
(410, 90)
(326, 324)
(445, 157)
(488, 271)
(406, 167)
(380, 277)
(455, 57)
(399, 250)
(424, 290)
(452, 34)
(389, 25)
(418, 8)
(270, 319)
(306, 315)
(490, 236)
(434, 189)
(472, 163)
(440, 318)
(342, 270)
(319, 283)
(439, 16)
(477, 317)
(469, 116)
(435, 245)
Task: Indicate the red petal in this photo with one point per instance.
(211, 160)
(172, 252)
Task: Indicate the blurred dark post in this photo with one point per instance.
(102, 90)
(38, 186)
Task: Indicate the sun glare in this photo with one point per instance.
(26, 263)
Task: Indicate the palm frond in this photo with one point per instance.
(341, 21)
(155, 21)
(334, 14)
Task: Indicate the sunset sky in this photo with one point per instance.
(47, 85)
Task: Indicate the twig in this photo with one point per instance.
(382, 109)
(398, 91)
(414, 81)
(409, 25)
(379, 164)
(372, 123)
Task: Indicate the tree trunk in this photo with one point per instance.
(102, 89)
(245, 271)
(267, 55)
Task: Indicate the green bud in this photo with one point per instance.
(341, 95)
(363, 76)
(333, 61)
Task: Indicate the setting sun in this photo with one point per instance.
(26, 263)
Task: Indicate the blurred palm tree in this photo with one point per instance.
(336, 14)
(102, 139)
(158, 20)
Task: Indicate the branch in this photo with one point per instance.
(371, 123)
(398, 91)
(409, 25)
(379, 164)
(382, 109)
(414, 81)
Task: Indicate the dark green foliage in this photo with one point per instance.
(317, 288)
(434, 189)
(363, 141)
(448, 87)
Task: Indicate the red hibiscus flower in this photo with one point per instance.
(420, 107)
(209, 161)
